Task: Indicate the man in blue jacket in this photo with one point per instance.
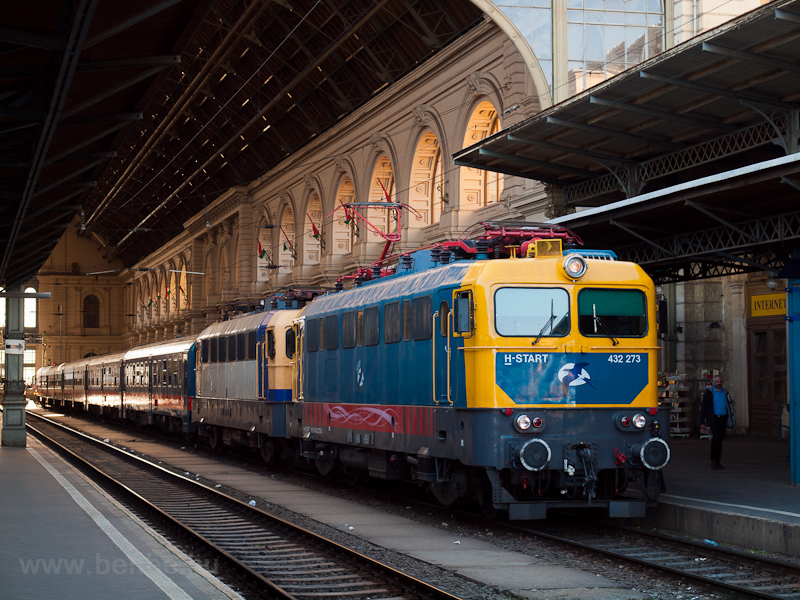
(716, 412)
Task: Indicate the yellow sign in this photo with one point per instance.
(767, 305)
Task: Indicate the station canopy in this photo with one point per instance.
(687, 163)
(136, 114)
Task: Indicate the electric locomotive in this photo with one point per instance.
(524, 383)
(515, 370)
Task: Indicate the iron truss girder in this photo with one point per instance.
(691, 270)
(727, 145)
(713, 247)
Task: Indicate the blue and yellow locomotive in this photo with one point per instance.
(524, 383)
(515, 370)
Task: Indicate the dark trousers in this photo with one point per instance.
(718, 428)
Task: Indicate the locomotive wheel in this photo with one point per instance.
(267, 451)
(215, 439)
(452, 487)
(354, 477)
(325, 463)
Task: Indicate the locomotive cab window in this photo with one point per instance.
(612, 313)
(444, 318)
(271, 344)
(531, 312)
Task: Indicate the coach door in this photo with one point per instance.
(768, 382)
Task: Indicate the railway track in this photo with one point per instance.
(276, 558)
(733, 573)
(696, 563)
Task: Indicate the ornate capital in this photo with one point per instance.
(420, 114)
(474, 82)
(341, 163)
(378, 141)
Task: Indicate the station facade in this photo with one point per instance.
(287, 229)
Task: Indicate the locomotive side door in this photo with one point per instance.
(443, 347)
(295, 338)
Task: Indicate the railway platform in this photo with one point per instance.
(61, 537)
(750, 503)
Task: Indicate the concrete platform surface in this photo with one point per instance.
(751, 503)
(61, 537)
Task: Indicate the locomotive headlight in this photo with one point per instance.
(574, 266)
(522, 422)
(639, 421)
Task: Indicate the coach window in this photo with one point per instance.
(232, 347)
(332, 332)
(531, 312)
(406, 320)
(312, 335)
(421, 315)
(392, 326)
(349, 330)
(372, 326)
(612, 313)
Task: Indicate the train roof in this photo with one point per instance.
(391, 287)
(245, 324)
(175, 346)
(102, 359)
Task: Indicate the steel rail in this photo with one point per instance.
(687, 551)
(252, 518)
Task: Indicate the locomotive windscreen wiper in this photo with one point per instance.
(598, 321)
(548, 323)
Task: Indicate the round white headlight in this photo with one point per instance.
(523, 422)
(574, 266)
(639, 421)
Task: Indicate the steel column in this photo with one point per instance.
(14, 394)
(793, 327)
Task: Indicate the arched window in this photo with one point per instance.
(478, 187)
(91, 312)
(29, 317)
